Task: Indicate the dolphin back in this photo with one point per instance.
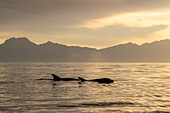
(81, 79)
(55, 77)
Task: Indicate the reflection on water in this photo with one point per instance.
(138, 87)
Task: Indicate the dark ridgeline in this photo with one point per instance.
(23, 50)
(157, 51)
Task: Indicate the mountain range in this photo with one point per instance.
(23, 50)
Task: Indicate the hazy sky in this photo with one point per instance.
(94, 23)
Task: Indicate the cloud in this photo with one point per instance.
(137, 19)
(75, 21)
(71, 12)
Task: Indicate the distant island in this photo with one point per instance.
(23, 50)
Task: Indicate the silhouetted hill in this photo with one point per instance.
(157, 51)
(21, 49)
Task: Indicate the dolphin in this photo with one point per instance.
(100, 80)
(57, 78)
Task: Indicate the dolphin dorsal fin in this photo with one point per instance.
(55, 77)
(82, 79)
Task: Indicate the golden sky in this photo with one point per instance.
(93, 23)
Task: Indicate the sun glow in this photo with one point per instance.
(137, 19)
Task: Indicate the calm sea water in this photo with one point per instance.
(138, 87)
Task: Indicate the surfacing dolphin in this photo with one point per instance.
(57, 78)
(100, 80)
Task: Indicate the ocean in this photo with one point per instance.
(138, 87)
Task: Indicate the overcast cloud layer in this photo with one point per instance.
(96, 23)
